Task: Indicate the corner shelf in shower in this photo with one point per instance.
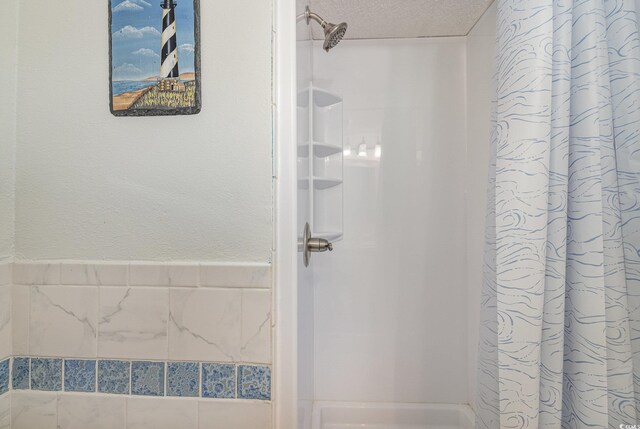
(319, 183)
(321, 150)
(325, 183)
(320, 163)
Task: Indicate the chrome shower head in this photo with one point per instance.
(333, 33)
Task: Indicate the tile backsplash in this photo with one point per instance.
(144, 340)
(138, 312)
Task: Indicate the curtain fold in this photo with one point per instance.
(560, 320)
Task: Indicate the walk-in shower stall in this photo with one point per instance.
(468, 209)
(393, 154)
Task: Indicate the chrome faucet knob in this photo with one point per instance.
(319, 245)
(314, 245)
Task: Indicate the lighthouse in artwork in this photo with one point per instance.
(169, 73)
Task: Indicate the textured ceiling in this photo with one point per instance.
(379, 19)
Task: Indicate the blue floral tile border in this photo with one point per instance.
(46, 374)
(79, 375)
(114, 376)
(254, 382)
(183, 379)
(4, 376)
(218, 380)
(147, 378)
(143, 378)
(20, 373)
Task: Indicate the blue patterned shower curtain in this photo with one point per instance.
(560, 331)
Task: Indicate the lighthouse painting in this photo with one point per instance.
(154, 57)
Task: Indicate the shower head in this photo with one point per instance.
(333, 33)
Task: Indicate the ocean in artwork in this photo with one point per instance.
(153, 57)
(122, 86)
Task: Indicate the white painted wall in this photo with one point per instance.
(390, 303)
(92, 186)
(480, 91)
(9, 55)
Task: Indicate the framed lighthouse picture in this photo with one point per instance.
(154, 57)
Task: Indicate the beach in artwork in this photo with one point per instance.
(153, 55)
(138, 94)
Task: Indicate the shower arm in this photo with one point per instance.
(308, 16)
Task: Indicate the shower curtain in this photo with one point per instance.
(560, 328)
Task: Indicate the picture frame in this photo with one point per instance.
(154, 57)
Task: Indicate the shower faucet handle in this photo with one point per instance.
(319, 245)
(310, 244)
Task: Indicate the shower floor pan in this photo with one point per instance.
(349, 415)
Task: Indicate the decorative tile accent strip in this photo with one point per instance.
(79, 375)
(20, 373)
(147, 378)
(93, 274)
(218, 380)
(254, 382)
(228, 275)
(141, 378)
(4, 376)
(36, 273)
(46, 374)
(125, 273)
(113, 376)
(183, 379)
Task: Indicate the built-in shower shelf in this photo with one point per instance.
(320, 163)
(318, 183)
(323, 98)
(321, 150)
(325, 183)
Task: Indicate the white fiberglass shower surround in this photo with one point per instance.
(392, 150)
(397, 144)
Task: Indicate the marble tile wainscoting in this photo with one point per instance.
(135, 345)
